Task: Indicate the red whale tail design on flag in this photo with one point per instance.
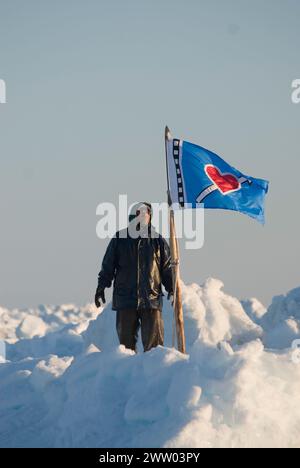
(226, 182)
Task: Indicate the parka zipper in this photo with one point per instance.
(138, 272)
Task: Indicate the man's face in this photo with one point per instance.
(143, 214)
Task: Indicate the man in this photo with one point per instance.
(138, 260)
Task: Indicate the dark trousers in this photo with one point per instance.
(129, 321)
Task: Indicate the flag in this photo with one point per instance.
(200, 178)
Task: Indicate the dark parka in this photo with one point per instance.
(138, 267)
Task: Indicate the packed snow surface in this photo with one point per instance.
(66, 382)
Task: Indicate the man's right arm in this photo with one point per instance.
(107, 272)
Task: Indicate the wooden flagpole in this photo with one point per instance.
(174, 249)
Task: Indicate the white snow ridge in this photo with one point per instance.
(67, 383)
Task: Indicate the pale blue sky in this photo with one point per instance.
(90, 87)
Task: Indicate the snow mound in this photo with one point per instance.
(255, 309)
(18, 323)
(282, 320)
(30, 327)
(221, 316)
(68, 383)
(209, 314)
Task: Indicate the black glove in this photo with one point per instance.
(170, 297)
(99, 294)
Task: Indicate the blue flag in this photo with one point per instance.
(198, 176)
